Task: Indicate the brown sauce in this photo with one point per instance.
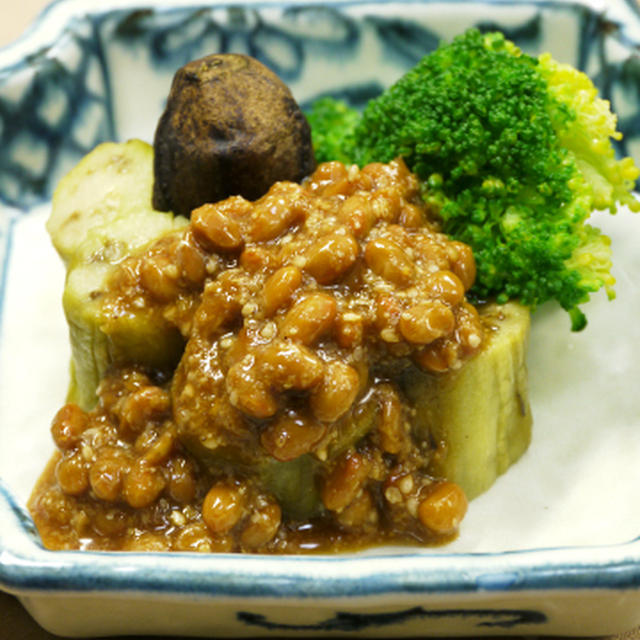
(283, 428)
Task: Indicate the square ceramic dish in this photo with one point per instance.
(552, 548)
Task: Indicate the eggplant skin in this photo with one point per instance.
(230, 127)
(479, 415)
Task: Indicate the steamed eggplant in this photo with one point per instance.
(101, 213)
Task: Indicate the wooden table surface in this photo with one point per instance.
(15, 16)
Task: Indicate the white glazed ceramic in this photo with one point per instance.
(552, 548)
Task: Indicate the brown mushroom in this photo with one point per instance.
(230, 127)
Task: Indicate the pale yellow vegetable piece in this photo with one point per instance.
(101, 213)
(480, 414)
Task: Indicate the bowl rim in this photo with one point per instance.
(51, 21)
(27, 567)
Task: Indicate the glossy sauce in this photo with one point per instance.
(283, 428)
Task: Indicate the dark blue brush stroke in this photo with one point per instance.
(344, 621)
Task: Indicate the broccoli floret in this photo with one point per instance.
(332, 124)
(514, 153)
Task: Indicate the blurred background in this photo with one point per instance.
(16, 16)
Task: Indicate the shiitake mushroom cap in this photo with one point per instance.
(230, 127)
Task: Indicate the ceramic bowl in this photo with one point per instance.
(552, 548)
